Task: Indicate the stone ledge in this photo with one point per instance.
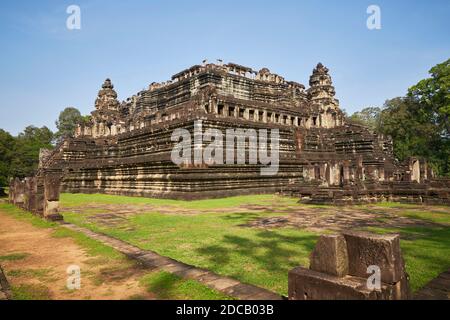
(306, 284)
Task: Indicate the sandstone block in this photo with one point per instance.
(330, 255)
(51, 187)
(306, 284)
(365, 249)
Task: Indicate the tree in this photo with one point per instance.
(26, 152)
(433, 94)
(368, 117)
(67, 122)
(419, 122)
(7, 145)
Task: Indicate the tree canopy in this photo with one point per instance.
(419, 122)
(67, 122)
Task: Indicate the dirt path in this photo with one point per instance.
(35, 261)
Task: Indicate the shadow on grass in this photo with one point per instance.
(241, 216)
(426, 251)
(268, 249)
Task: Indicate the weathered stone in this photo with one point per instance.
(307, 284)
(126, 147)
(52, 184)
(330, 255)
(365, 249)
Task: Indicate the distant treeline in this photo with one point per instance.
(19, 156)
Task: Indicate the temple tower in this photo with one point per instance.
(106, 117)
(107, 97)
(321, 94)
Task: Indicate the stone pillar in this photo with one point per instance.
(341, 269)
(346, 172)
(11, 192)
(52, 182)
(359, 169)
(30, 194)
(19, 193)
(40, 197)
(415, 170)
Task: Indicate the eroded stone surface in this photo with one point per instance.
(330, 255)
(306, 284)
(366, 249)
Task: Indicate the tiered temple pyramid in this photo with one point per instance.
(126, 146)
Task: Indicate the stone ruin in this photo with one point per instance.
(340, 267)
(125, 147)
(38, 194)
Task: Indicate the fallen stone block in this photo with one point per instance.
(307, 284)
(330, 255)
(366, 249)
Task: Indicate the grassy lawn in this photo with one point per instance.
(169, 286)
(102, 255)
(213, 234)
(217, 240)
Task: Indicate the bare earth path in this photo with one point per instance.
(42, 260)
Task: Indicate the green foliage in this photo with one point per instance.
(419, 123)
(368, 117)
(433, 95)
(7, 145)
(19, 156)
(67, 122)
(26, 152)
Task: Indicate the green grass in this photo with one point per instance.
(169, 286)
(92, 247)
(30, 292)
(177, 288)
(13, 257)
(216, 240)
(435, 217)
(426, 252)
(40, 274)
(73, 200)
(23, 215)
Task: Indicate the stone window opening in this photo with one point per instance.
(261, 116)
(317, 173)
(251, 114)
(220, 109)
(231, 111)
(314, 119)
(269, 116)
(241, 112)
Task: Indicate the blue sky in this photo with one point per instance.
(44, 67)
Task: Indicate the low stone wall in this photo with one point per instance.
(436, 191)
(38, 194)
(341, 268)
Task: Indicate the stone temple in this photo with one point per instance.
(125, 148)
